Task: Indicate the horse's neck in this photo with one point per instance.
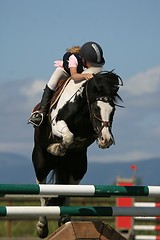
(69, 92)
(72, 88)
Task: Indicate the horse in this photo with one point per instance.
(61, 142)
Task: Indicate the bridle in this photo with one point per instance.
(93, 115)
(107, 124)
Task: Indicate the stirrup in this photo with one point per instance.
(32, 121)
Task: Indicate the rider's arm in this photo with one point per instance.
(73, 64)
(79, 76)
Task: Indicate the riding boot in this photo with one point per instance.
(37, 116)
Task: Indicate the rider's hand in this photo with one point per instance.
(88, 76)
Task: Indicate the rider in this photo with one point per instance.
(71, 66)
(89, 55)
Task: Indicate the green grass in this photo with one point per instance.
(27, 228)
(22, 228)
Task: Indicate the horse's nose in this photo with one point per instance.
(106, 141)
(111, 141)
(106, 145)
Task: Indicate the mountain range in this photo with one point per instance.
(18, 169)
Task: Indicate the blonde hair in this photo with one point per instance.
(74, 49)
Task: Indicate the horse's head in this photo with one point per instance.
(101, 94)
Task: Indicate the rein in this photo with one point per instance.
(104, 124)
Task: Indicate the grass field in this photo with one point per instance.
(25, 229)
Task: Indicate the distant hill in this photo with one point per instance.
(106, 173)
(15, 168)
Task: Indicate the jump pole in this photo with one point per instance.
(56, 211)
(146, 227)
(147, 237)
(147, 204)
(78, 190)
(157, 218)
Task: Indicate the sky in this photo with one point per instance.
(35, 33)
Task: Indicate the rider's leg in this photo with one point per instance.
(58, 74)
(37, 117)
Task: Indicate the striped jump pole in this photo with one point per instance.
(154, 228)
(147, 204)
(79, 190)
(56, 211)
(147, 237)
(146, 227)
(157, 218)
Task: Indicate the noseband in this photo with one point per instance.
(104, 123)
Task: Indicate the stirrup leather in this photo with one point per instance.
(31, 118)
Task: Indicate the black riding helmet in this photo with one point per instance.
(92, 52)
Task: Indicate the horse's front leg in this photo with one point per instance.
(66, 218)
(61, 130)
(42, 224)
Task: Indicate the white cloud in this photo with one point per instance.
(17, 146)
(31, 93)
(35, 88)
(143, 83)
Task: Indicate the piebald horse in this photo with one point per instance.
(79, 118)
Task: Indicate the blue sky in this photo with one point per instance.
(34, 33)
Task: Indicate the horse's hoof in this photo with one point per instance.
(62, 220)
(42, 229)
(56, 149)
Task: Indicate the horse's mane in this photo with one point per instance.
(106, 83)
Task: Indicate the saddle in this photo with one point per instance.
(58, 92)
